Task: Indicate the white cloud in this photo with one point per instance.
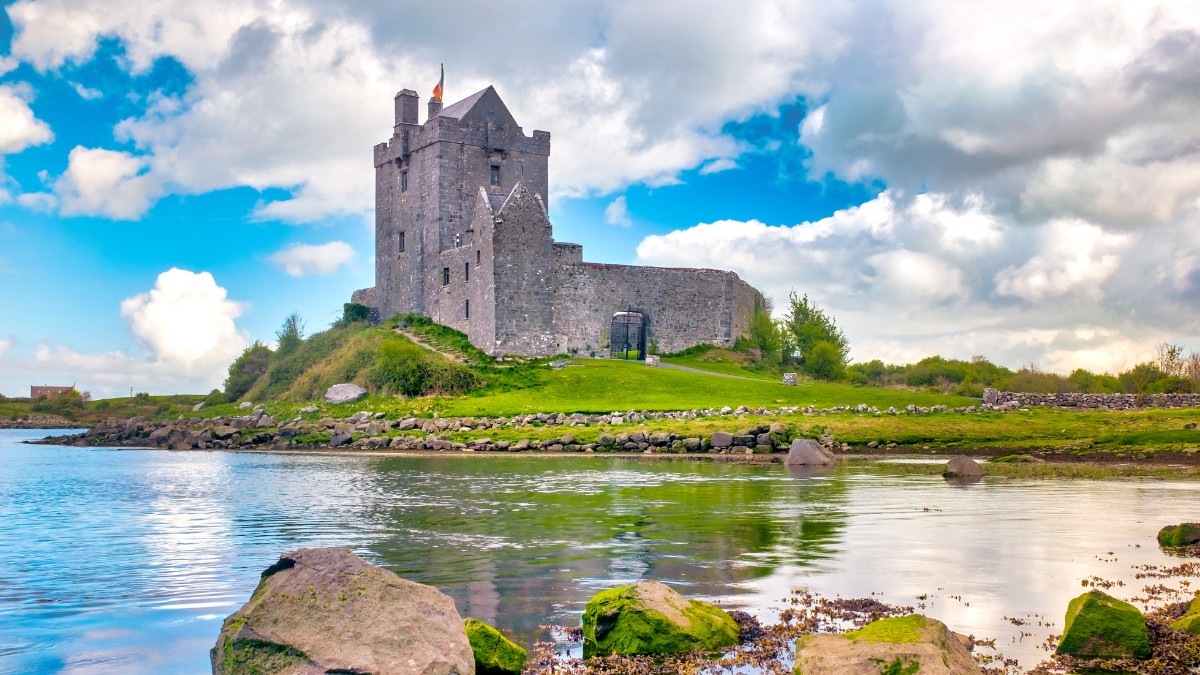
(717, 166)
(43, 202)
(617, 213)
(1076, 257)
(8, 64)
(107, 183)
(186, 322)
(302, 260)
(87, 93)
(19, 128)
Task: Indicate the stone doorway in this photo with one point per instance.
(627, 336)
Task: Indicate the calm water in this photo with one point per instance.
(126, 561)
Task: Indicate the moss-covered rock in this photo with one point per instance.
(1190, 621)
(1098, 626)
(650, 618)
(1183, 534)
(901, 645)
(494, 653)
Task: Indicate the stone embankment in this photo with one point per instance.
(369, 431)
(38, 422)
(1012, 400)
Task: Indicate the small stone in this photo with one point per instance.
(807, 452)
(722, 439)
(963, 466)
(1098, 626)
(494, 653)
(344, 393)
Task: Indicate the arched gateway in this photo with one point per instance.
(627, 336)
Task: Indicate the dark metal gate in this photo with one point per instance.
(627, 336)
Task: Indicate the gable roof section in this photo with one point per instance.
(486, 104)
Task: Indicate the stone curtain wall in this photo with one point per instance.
(1010, 399)
(683, 307)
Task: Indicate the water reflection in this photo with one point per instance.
(126, 561)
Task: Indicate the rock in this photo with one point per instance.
(790, 379)
(650, 618)
(198, 407)
(339, 437)
(900, 644)
(652, 361)
(344, 393)
(309, 409)
(1183, 534)
(722, 439)
(245, 404)
(224, 432)
(1190, 621)
(807, 452)
(494, 653)
(326, 610)
(1098, 626)
(559, 364)
(265, 421)
(963, 466)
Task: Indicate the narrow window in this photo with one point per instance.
(467, 308)
(399, 242)
(466, 271)
(445, 276)
(404, 181)
(476, 257)
(495, 175)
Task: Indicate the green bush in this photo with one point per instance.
(402, 367)
(246, 369)
(825, 361)
(352, 312)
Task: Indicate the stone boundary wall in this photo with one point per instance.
(1001, 400)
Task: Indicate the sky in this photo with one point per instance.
(1013, 178)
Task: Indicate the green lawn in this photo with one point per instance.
(602, 385)
(724, 367)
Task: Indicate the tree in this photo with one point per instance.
(762, 332)
(1169, 358)
(804, 325)
(246, 369)
(291, 334)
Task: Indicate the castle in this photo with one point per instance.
(463, 236)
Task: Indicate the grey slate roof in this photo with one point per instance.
(463, 107)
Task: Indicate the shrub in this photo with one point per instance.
(404, 368)
(352, 312)
(825, 361)
(246, 369)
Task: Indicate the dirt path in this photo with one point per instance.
(663, 364)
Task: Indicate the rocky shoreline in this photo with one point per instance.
(38, 422)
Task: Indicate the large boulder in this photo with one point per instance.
(1190, 621)
(807, 452)
(963, 467)
(1099, 626)
(494, 653)
(900, 644)
(650, 618)
(319, 610)
(344, 393)
(1183, 534)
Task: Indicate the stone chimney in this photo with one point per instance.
(435, 107)
(407, 102)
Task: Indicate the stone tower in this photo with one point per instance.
(428, 180)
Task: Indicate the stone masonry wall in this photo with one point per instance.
(1000, 399)
(683, 307)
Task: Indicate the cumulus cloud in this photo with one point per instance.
(19, 128)
(910, 276)
(43, 202)
(185, 325)
(86, 93)
(617, 213)
(107, 183)
(186, 321)
(303, 260)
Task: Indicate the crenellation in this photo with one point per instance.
(463, 235)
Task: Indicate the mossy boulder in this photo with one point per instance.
(1183, 534)
(494, 653)
(322, 610)
(1190, 621)
(900, 645)
(1099, 626)
(650, 618)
